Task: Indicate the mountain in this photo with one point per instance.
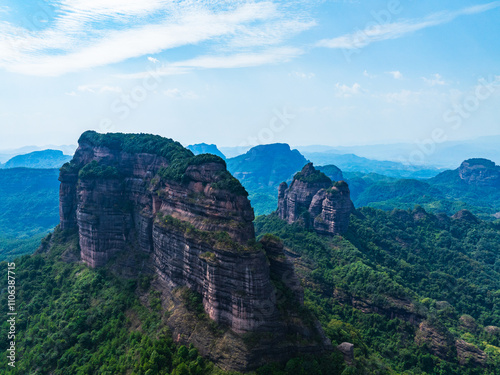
(262, 169)
(28, 208)
(411, 292)
(158, 267)
(442, 155)
(314, 201)
(7, 154)
(203, 148)
(138, 205)
(354, 163)
(38, 159)
(333, 172)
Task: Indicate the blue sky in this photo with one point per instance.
(344, 72)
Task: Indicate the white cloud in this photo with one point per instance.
(381, 32)
(366, 74)
(99, 89)
(239, 60)
(302, 75)
(179, 94)
(92, 33)
(403, 97)
(396, 74)
(345, 91)
(153, 60)
(435, 80)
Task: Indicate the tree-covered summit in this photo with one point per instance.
(137, 143)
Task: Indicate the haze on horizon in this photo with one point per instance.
(240, 73)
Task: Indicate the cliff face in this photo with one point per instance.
(189, 217)
(313, 200)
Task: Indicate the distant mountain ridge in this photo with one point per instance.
(355, 163)
(204, 148)
(46, 159)
(7, 154)
(441, 155)
(262, 169)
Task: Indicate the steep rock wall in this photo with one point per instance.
(193, 222)
(315, 202)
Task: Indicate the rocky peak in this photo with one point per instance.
(192, 223)
(466, 215)
(480, 172)
(315, 201)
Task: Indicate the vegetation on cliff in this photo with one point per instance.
(137, 143)
(96, 171)
(393, 270)
(76, 320)
(176, 171)
(312, 176)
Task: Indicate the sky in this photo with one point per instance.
(242, 73)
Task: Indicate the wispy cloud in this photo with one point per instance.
(435, 80)
(238, 60)
(396, 74)
(345, 91)
(180, 94)
(381, 32)
(85, 34)
(302, 75)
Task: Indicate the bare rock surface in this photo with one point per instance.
(313, 200)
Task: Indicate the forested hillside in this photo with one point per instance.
(415, 292)
(29, 201)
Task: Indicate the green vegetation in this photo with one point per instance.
(316, 177)
(29, 201)
(137, 143)
(218, 240)
(176, 171)
(262, 169)
(76, 320)
(400, 264)
(94, 170)
(446, 193)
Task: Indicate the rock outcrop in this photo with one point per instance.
(480, 172)
(347, 350)
(315, 202)
(468, 353)
(194, 224)
(438, 341)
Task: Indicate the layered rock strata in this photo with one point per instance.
(191, 219)
(315, 201)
